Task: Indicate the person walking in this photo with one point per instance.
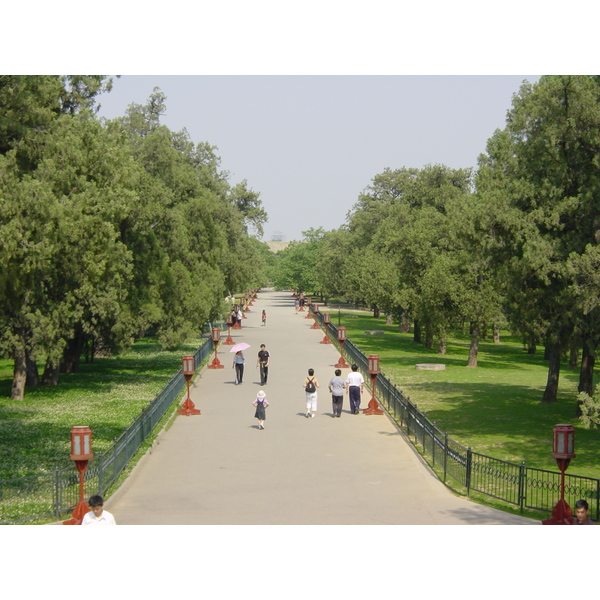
(238, 364)
(355, 385)
(264, 318)
(337, 386)
(261, 404)
(262, 362)
(233, 316)
(310, 386)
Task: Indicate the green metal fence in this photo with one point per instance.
(54, 495)
(516, 484)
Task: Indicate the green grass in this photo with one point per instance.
(107, 395)
(495, 408)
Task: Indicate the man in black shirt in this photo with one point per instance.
(263, 363)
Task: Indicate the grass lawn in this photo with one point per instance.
(496, 408)
(107, 395)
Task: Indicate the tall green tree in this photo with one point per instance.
(541, 181)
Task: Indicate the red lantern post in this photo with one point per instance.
(373, 368)
(326, 321)
(341, 333)
(314, 307)
(308, 304)
(216, 337)
(563, 451)
(229, 341)
(81, 453)
(188, 408)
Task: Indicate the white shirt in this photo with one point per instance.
(105, 518)
(354, 378)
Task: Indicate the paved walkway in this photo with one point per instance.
(218, 468)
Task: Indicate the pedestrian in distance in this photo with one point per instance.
(233, 316)
(262, 362)
(337, 386)
(264, 318)
(297, 304)
(310, 386)
(97, 514)
(261, 404)
(355, 385)
(238, 364)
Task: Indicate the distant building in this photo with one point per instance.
(278, 237)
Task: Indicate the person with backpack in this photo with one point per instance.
(310, 386)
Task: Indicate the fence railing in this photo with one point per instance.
(517, 484)
(55, 494)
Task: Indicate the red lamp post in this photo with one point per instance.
(216, 337)
(81, 453)
(563, 451)
(373, 369)
(308, 304)
(326, 321)
(314, 307)
(341, 334)
(228, 341)
(187, 368)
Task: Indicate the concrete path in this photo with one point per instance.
(218, 468)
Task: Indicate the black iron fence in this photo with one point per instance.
(520, 485)
(54, 495)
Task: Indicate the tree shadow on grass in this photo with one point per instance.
(508, 420)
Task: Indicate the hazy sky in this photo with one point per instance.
(310, 144)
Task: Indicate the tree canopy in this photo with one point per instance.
(112, 228)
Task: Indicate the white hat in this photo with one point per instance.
(261, 394)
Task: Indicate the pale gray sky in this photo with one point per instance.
(310, 144)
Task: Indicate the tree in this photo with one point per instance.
(541, 181)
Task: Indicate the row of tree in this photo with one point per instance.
(515, 242)
(110, 229)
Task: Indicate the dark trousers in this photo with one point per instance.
(239, 372)
(336, 403)
(354, 393)
(264, 373)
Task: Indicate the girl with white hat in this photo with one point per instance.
(261, 404)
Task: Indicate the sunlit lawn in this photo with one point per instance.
(496, 408)
(107, 395)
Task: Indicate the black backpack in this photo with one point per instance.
(310, 387)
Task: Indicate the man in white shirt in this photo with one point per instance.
(97, 514)
(355, 385)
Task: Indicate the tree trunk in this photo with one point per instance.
(551, 391)
(531, 344)
(417, 332)
(586, 373)
(376, 311)
(33, 377)
(474, 348)
(404, 322)
(574, 356)
(428, 338)
(389, 319)
(50, 374)
(19, 374)
(496, 334)
(72, 355)
(441, 347)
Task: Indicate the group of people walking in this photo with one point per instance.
(353, 385)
